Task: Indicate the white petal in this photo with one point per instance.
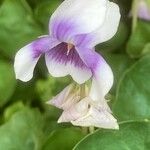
(58, 69)
(27, 57)
(76, 111)
(102, 74)
(68, 97)
(60, 64)
(109, 27)
(83, 15)
(25, 63)
(97, 118)
(101, 82)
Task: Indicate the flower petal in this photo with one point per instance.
(97, 118)
(68, 20)
(144, 10)
(76, 111)
(61, 63)
(104, 32)
(27, 57)
(102, 73)
(68, 97)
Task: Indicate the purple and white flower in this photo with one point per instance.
(144, 10)
(75, 28)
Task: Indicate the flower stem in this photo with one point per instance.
(134, 14)
(91, 129)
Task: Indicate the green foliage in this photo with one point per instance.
(28, 123)
(121, 36)
(46, 89)
(44, 10)
(132, 100)
(7, 82)
(131, 136)
(119, 63)
(22, 131)
(139, 39)
(17, 26)
(64, 139)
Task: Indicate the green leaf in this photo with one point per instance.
(146, 49)
(64, 139)
(8, 113)
(131, 136)
(50, 116)
(139, 39)
(50, 87)
(25, 92)
(17, 26)
(118, 41)
(119, 63)
(23, 131)
(133, 94)
(7, 82)
(44, 11)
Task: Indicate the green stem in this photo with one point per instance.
(134, 14)
(91, 129)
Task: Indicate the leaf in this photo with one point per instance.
(139, 39)
(25, 92)
(131, 136)
(17, 26)
(133, 94)
(50, 87)
(23, 131)
(7, 82)
(63, 139)
(118, 40)
(9, 112)
(44, 10)
(146, 49)
(119, 63)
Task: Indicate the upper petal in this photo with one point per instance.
(110, 26)
(27, 57)
(104, 32)
(74, 17)
(61, 63)
(102, 73)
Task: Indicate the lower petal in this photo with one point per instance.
(61, 63)
(97, 118)
(76, 111)
(28, 56)
(68, 97)
(102, 74)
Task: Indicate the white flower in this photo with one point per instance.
(75, 28)
(81, 110)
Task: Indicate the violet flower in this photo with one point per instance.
(75, 28)
(144, 10)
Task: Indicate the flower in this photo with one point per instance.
(81, 110)
(75, 28)
(143, 10)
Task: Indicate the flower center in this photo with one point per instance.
(69, 47)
